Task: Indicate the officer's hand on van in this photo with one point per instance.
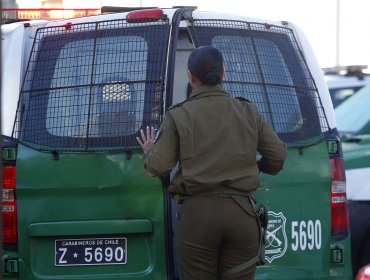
(146, 141)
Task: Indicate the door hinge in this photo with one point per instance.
(10, 266)
(336, 254)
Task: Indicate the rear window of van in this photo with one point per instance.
(263, 64)
(93, 89)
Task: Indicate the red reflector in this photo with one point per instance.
(9, 223)
(337, 169)
(9, 205)
(339, 220)
(339, 211)
(144, 15)
(68, 25)
(9, 177)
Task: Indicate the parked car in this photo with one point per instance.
(344, 81)
(353, 115)
(353, 121)
(77, 203)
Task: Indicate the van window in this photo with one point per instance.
(92, 89)
(117, 100)
(243, 60)
(263, 64)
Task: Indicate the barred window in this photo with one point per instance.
(116, 108)
(263, 64)
(94, 87)
(242, 60)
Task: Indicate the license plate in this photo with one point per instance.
(91, 251)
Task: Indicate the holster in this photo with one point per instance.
(261, 214)
(262, 217)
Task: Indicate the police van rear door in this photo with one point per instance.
(86, 209)
(264, 64)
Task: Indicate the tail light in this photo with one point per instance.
(144, 15)
(339, 211)
(9, 206)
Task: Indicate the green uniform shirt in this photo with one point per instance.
(214, 137)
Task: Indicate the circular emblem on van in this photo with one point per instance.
(276, 239)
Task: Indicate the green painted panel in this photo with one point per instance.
(299, 231)
(108, 195)
(99, 195)
(90, 227)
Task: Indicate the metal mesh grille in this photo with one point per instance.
(94, 86)
(264, 65)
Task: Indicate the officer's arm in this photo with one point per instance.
(165, 152)
(272, 149)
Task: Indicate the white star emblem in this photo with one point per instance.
(75, 255)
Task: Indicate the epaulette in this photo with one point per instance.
(243, 99)
(176, 105)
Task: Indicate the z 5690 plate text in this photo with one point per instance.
(92, 251)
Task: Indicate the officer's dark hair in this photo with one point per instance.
(206, 63)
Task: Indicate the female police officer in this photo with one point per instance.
(214, 138)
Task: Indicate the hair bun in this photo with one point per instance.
(213, 77)
(206, 63)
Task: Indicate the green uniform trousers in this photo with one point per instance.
(215, 234)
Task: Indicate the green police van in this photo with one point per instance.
(76, 201)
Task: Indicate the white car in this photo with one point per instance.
(344, 81)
